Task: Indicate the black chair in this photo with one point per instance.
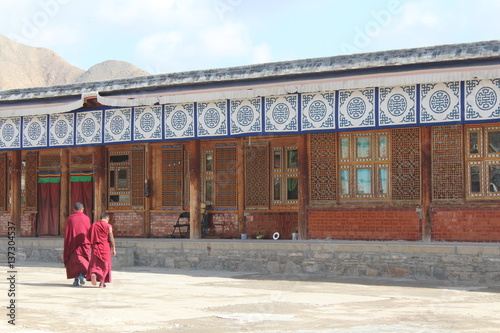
(204, 219)
(180, 226)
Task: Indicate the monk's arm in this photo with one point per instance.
(112, 242)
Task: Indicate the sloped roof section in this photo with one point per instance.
(273, 78)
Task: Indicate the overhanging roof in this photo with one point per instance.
(399, 67)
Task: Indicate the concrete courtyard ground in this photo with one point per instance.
(145, 299)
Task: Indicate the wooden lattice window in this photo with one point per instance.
(284, 175)
(208, 176)
(257, 176)
(482, 158)
(29, 181)
(172, 177)
(138, 176)
(119, 190)
(447, 165)
(405, 176)
(323, 183)
(82, 159)
(50, 161)
(3, 181)
(364, 165)
(225, 177)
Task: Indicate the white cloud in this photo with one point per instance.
(227, 40)
(261, 53)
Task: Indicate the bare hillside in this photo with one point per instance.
(23, 66)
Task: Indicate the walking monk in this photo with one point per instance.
(103, 247)
(77, 246)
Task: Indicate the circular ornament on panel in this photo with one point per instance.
(178, 120)
(88, 127)
(212, 118)
(397, 105)
(8, 132)
(34, 131)
(245, 115)
(486, 98)
(147, 122)
(281, 113)
(440, 101)
(61, 128)
(117, 124)
(356, 108)
(317, 111)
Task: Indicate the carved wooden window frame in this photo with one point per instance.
(482, 160)
(362, 156)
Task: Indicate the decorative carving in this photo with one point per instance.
(225, 180)
(323, 161)
(405, 175)
(447, 166)
(257, 176)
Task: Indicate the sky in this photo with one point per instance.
(165, 36)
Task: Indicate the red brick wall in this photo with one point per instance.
(466, 224)
(4, 223)
(222, 225)
(269, 223)
(162, 224)
(127, 224)
(394, 223)
(28, 228)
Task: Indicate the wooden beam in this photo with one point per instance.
(15, 190)
(65, 191)
(240, 174)
(100, 182)
(148, 183)
(303, 147)
(426, 153)
(195, 190)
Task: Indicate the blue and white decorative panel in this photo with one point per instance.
(61, 129)
(89, 127)
(10, 132)
(440, 102)
(282, 113)
(483, 99)
(35, 131)
(356, 108)
(212, 118)
(147, 123)
(246, 116)
(318, 111)
(397, 106)
(118, 125)
(179, 121)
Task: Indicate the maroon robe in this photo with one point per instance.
(76, 245)
(100, 263)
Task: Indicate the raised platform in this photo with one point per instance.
(475, 262)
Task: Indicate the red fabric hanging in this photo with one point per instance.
(49, 195)
(83, 192)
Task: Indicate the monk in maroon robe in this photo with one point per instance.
(77, 246)
(103, 247)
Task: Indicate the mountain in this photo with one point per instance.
(110, 69)
(23, 66)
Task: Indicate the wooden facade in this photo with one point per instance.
(394, 176)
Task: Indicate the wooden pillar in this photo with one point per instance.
(240, 172)
(148, 184)
(195, 190)
(65, 191)
(426, 153)
(15, 190)
(303, 147)
(100, 182)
